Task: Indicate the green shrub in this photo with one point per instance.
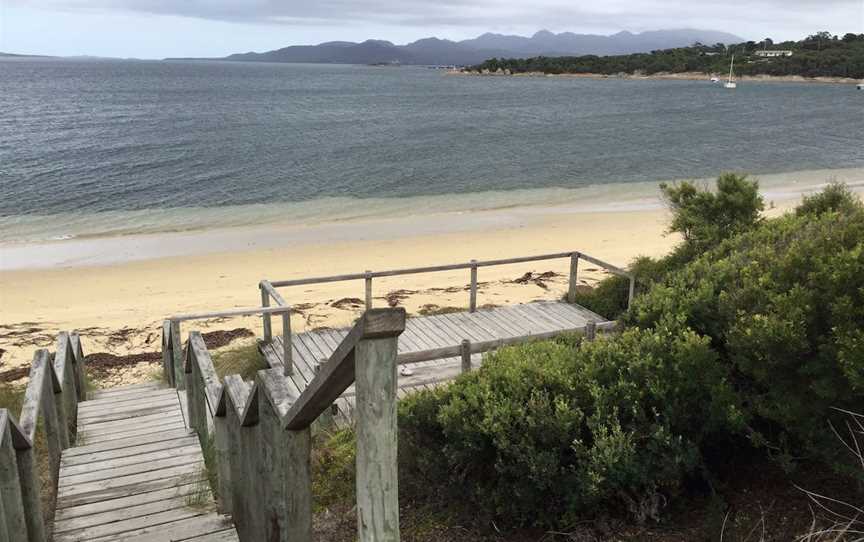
(548, 433)
(784, 307)
(609, 297)
(705, 218)
(835, 198)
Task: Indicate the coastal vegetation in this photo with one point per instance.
(818, 55)
(745, 347)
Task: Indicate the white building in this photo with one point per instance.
(773, 53)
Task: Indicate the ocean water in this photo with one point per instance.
(97, 148)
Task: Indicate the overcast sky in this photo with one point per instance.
(161, 28)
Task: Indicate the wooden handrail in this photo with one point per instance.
(338, 372)
(448, 267)
(268, 288)
(55, 387)
(457, 350)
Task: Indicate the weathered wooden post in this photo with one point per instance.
(574, 273)
(265, 317)
(13, 511)
(30, 491)
(78, 364)
(375, 385)
(590, 330)
(632, 291)
(466, 355)
(325, 419)
(472, 303)
(368, 282)
(167, 357)
(64, 368)
(177, 356)
(287, 356)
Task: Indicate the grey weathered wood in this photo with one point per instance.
(631, 292)
(167, 356)
(228, 313)
(177, 356)
(449, 267)
(80, 370)
(287, 358)
(31, 494)
(266, 286)
(466, 355)
(574, 273)
(367, 276)
(377, 480)
(338, 373)
(265, 302)
(13, 510)
(472, 304)
(590, 331)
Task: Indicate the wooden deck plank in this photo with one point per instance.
(118, 515)
(123, 526)
(72, 470)
(176, 530)
(122, 503)
(140, 467)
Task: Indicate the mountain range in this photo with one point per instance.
(435, 51)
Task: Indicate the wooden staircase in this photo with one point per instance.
(137, 473)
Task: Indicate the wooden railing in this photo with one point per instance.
(269, 292)
(172, 347)
(261, 433)
(56, 385)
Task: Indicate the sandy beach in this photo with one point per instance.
(116, 291)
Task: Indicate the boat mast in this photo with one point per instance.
(730, 68)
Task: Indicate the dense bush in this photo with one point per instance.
(609, 297)
(551, 432)
(784, 305)
(753, 340)
(836, 197)
(704, 218)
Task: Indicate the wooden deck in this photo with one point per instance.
(137, 474)
(430, 332)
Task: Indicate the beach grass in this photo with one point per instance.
(242, 359)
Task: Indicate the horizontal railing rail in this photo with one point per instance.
(467, 348)
(56, 385)
(268, 288)
(172, 347)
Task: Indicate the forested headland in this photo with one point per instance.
(819, 55)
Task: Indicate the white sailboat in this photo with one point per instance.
(729, 82)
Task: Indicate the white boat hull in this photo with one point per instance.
(730, 85)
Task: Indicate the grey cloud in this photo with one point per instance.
(556, 14)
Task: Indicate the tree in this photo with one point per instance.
(705, 218)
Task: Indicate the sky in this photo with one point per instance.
(201, 28)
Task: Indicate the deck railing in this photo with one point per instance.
(261, 433)
(172, 347)
(56, 385)
(269, 288)
(260, 430)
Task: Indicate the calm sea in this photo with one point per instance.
(92, 148)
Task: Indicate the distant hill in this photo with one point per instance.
(476, 50)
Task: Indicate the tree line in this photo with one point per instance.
(819, 55)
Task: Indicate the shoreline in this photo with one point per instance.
(279, 226)
(665, 76)
(117, 297)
